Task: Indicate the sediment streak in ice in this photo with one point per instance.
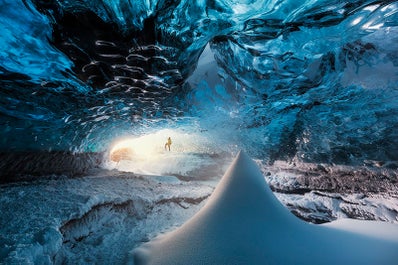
(244, 223)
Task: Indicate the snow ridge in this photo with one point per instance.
(244, 223)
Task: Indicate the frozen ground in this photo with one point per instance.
(321, 193)
(99, 219)
(91, 220)
(244, 223)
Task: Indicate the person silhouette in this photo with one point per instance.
(168, 143)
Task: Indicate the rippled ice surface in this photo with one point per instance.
(313, 81)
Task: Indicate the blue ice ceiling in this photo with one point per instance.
(314, 81)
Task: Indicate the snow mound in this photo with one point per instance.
(244, 223)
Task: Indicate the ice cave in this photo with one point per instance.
(198, 132)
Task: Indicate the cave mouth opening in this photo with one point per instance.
(191, 154)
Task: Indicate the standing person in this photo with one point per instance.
(168, 143)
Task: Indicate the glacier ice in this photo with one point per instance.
(308, 82)
(308, 88)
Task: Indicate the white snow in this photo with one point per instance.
(385, 231)
(244, 223)
(99, 219)
(90, 220)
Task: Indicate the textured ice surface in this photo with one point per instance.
(309, 88)
(313, 81)
(95, 220)
(320, 194)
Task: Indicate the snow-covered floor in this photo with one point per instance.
(91, 220)
(326, 194)
(99, 219)
(244, 223)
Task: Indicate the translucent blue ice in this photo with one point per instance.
(24, 43)
(312, 81)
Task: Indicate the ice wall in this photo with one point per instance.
(311, 81)
(321, 79)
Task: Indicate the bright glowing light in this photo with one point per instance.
(136, 148)
(146, 146)
(147, 154)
